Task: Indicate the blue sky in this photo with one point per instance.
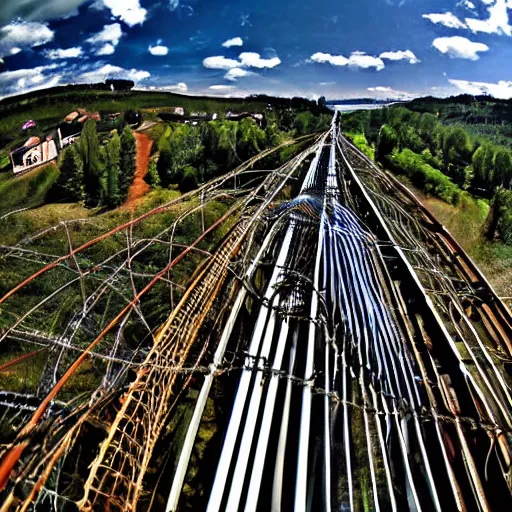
(336, 48)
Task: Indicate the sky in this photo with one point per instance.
(333, 48)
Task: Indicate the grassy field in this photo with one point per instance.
(465, 222)
(27, 191)
(359, 140)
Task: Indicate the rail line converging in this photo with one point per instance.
(336, 350)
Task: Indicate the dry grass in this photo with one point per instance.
(465, 222)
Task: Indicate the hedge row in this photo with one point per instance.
(424, 176)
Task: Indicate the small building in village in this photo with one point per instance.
(35, 153)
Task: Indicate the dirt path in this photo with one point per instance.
(139, 187)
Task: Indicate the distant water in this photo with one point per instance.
(356, 106)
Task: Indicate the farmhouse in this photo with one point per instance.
(35, 153)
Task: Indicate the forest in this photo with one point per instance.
(184, 155)
(190, 155)
(443, 159)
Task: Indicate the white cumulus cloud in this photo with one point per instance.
(446, 19)
(158, 50)
(24, 34)
(222, 87)
(68, 53)
(110, 71)
(107, 39)
(401, 55)
(106, 49)
(327, 58)
(501, 89)
(219, 62)
(253, 60)
(389, 91)
(362, 60)
(235, 68)
(128, 11)
(356, 60)
(235, 41)
(179, 87)
(27, 79)
(497, 22)
(459, 47)
(234, 74)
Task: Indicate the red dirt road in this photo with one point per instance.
(139, 187)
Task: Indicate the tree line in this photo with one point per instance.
(440, 159)
(101, 174)
(189, 155)
(98, 174)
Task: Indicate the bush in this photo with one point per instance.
(359, 140)
(128, 161)
(152, 177)
(425, 177)
(70, 185)
(189, 180)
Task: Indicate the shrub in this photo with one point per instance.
(113, 158)
(128, 161)
(425, 177)
(189, 180)
(359, 140)
(90, 151)
(70, 185)
(152, 177)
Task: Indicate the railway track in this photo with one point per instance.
(143, 410)
(374, 386)
(354, 357)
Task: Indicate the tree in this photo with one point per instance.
(120, 85)
(128, 161)
(163, 166)
(189, 179)
(272, 133)
(501, 205)
(152, 177)
(456, 148)
(502, 168)
(251, 138)
(90, 151)
(456, 145)
(180, 148)
(482, 163)
(113, 158)
(70, 184)
(386, 142)
(304, 123)
(427, 130)
(227, 143)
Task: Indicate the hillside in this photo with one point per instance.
(457, 153)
